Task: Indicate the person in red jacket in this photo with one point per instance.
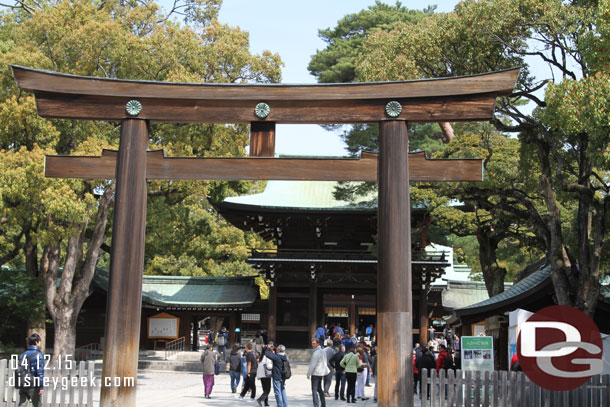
(443, 361)
(416, 376)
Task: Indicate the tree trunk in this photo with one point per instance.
(37, 325)
(447, 130)
(493, 275)
(557, 253)
(65, 302)
(65, 334)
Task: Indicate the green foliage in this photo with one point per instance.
(337, 62)
(21, 299)
(556, 174)
(117, 39)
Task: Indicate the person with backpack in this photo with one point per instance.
(208, 359)
(29, 376)
(425, 362)
(280, 372)
(235, 367)
(263, 373)
(444, 360)
(351, 363)
(222, 340)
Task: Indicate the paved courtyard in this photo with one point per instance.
(164, 389)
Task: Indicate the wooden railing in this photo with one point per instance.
(70, 385)
(505, 389)
(88, 351)
(174, 347)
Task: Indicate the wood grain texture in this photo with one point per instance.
(124, 305)
(500, 83)
(395, 365)
(262, 139)
(394, 280)
(424, 109)
(158, 166)
(426, 100)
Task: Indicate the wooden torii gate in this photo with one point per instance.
(391, 104)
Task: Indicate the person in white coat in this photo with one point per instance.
(362, 373)
(318, 369)
(263, 373)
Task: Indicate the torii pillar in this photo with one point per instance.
(394, 294)
(391, 104)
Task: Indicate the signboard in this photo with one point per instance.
(477, 353)
(163, 326)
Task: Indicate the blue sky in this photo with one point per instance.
(290, 28)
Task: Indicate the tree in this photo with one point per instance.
(46, 223)
(567, 130)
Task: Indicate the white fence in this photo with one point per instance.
(66, 386)
(505, 389)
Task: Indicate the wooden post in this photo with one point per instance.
(232, 325)
(185, 329)
(352, 316)
(124, 306)
(320, 309)
(313, 310)
(272, 319)
(423, 317)
(262, 139)
(394, 296)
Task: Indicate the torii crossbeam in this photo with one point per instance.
(391, 104)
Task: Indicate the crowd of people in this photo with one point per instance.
(349, 359)
(336, 354)
(442, 352)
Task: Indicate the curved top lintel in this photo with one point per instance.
(498, 83)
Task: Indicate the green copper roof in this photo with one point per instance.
(301, 195)
(192, 292)
(527, 287)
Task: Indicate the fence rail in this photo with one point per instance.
(505, 389)
(88, 352)
(174, 347)
(70, 385)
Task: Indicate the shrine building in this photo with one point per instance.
(323, 270)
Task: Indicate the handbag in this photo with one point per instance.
(266, 366)
(217, 368)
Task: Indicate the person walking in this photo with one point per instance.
(278, 359)
(361, 373)
(374, 371)
(351, 363)
(258, 343)
(444, 360)
(263, 373)
(335, 362)
(318, 369)
(328, 379)
(222, 340)
(251, 365)
(208, 360)
(425, 362)
(33, 360)
(369, 362)
(320, 334)
(235, 367)
(339, 330)
(416, 376)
